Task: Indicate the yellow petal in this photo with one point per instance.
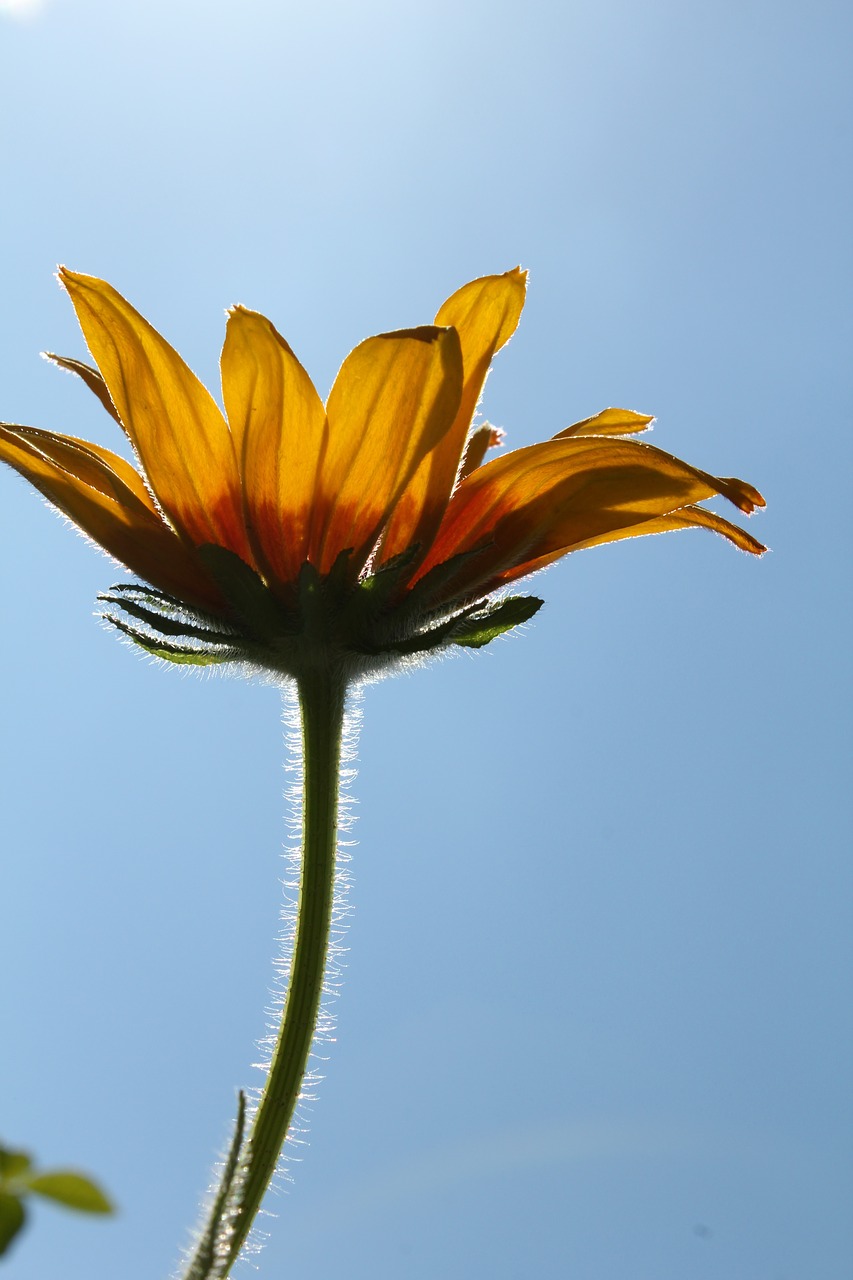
(543, 501)
(485, 314)
(278, 423)
(90, 376)
(174, 424)
(610, 422)
(394, 399)
(108, 500)
(95, 467)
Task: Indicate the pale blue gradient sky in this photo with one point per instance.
(596, 1016)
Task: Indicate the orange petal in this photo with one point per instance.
(485, 314)
(279, 426)
(174, 424)
(108, 500)
(540, 502)
(610, 422)
(687, 518)
(394, 399)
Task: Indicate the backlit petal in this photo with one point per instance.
(174, 424)
(98, 491)
(610, 422)
(550, 498)
(279, 426)
(90, 376)
(394, 399)
(687, 518)
(485, 314)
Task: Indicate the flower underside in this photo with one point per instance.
(364, 531)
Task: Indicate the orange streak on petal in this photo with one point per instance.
(279, 426)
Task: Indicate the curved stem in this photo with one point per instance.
(321, 700)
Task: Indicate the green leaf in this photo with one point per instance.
(13, 1215)
(13, 1164)
(482, 628)
(74, 1190)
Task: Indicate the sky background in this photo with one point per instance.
(596, 1018)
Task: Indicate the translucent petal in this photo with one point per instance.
(93, 488)
(394, 399)
(278, 423)
(610, 422)
(544, 500)
(181, 437)
(485, 314)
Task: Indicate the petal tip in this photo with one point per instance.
(421, 333)
(70, 280)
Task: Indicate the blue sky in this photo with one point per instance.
(595, 1020)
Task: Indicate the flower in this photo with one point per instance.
(364, 530)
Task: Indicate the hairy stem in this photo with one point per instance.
(321, 700)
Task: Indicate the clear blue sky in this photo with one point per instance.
(596, 1017)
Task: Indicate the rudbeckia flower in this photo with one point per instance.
(370, 526)
(327, 542)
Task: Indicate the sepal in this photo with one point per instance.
(167, 622)
(484, 626)
(171, 622)
(183, 655)
(264, 617)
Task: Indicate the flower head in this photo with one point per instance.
(286, 531)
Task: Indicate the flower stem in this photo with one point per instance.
(321, 702)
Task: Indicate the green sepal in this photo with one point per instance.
(73, 1190)
(165, 625)
(423, 642)
(381, 584)
(247, 593)
(183, 655)
(434, 636)
(13, 1164)
(336, 578)
(481, 628)
(13, 1215)
(157, 599)
(434, 586)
